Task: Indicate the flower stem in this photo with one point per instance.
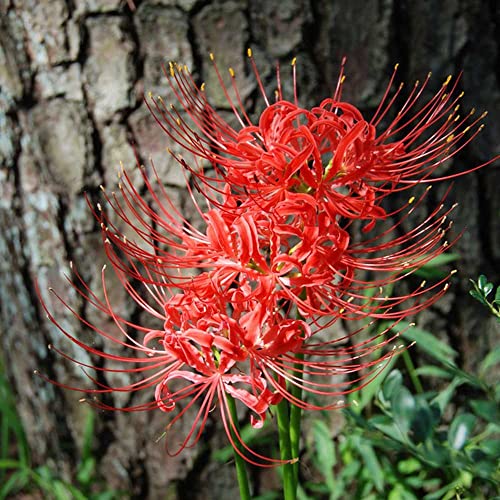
(241, 471)
(412, 372)
(289, 485)
(295, 419)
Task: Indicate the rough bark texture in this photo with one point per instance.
(72, 75)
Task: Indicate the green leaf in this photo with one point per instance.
(478, 296)
(392, 384)
(460, 430)
(368, 392)
(325, 449)
(60, 491)
(491, 359)
(409, 466)
(399, 492)
(482, 282)
(444, 397)
(433, 371)
(88, 434)
(16, 480)
(371, 463)
(403, 406)
(86, 471)
(491, 447)
(487, 410)
(497, 296)
(426, 341)
(8, 463)
(424, 422)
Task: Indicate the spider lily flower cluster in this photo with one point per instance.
(243, 297)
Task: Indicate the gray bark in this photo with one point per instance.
(72, 75)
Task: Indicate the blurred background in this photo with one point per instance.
(72, 78)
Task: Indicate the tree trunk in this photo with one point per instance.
(72, 75)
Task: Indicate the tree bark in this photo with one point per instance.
(72, 76)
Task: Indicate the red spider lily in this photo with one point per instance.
(330, 152)
(294, 252)
(242, 298)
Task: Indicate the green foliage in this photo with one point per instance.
(17, 475)
(402, 445)
(482, 290)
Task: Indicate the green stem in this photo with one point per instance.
(295, 419)
(412, 372)
(241, 471)
(289, 485)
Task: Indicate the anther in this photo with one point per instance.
(447, 81)
(294, 61)
(202, 87)
(411, 200)
(249, 52)
(455, 271)
(211, 55)
(231, 72)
